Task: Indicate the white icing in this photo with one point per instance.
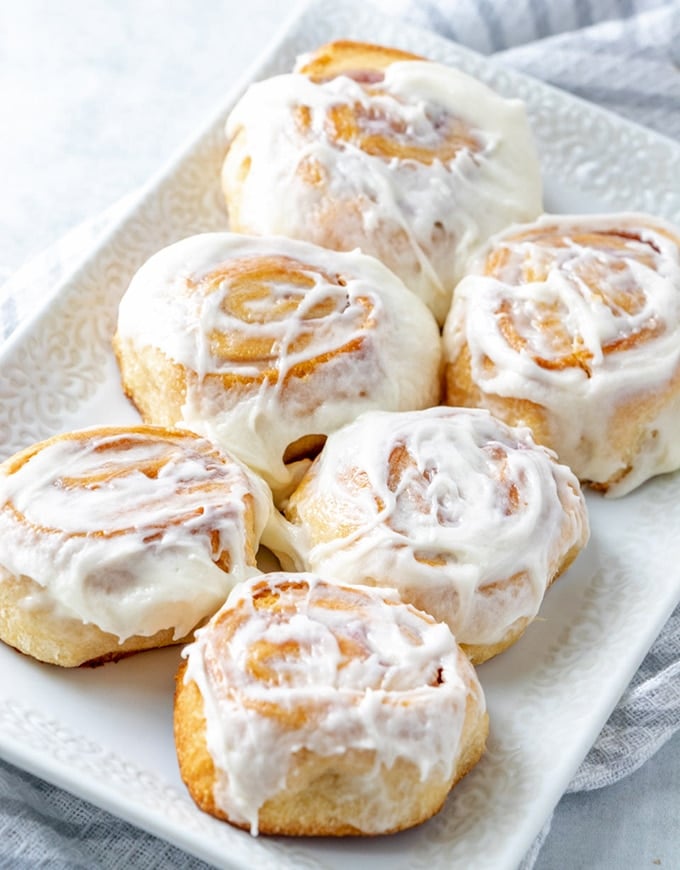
(422, 219)
(116, 544)
(372, 342)
(360, 521)
(350, 700)
(581, 403)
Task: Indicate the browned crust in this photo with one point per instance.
(61, 640)
(479, 653)
(629, 430)
(461, 391)
(233, 176)
(155, 384)
(320, 793)
(324, 522)
(334, 220)
(46, 635)
(17, 460)
(40, 631)
(158, 386)
(344, 55)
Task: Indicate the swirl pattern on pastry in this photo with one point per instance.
(571, 326)
(468, 519)
(313, 708)
(267, 345)
(114, 539)
(370, 147)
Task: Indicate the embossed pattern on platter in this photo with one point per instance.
(60, 362)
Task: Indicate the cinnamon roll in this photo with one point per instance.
(114, 540)
(312, 708)
(571, 325)
(366, 146)
(467, 518)
(265, 345)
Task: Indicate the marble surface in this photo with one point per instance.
(95, 96)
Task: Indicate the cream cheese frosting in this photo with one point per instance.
(445, 505)
(328, 668)
(122, 527)
(278, 339)
(417, 168)
(580, 315)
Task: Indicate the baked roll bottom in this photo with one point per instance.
(311, 708)
(321, 792)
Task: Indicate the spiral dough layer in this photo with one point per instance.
(266, 345)
(369, 147)
(470, 520)
(114, 539)
(571, 326)
(310, 707)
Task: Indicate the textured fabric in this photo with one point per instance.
(647, 715)
(621, 54)
(44, 827)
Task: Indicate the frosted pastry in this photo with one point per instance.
(571, 326)
(467, 518)
(114, 540)
(265, 345)
(312, 708)
(365, 146)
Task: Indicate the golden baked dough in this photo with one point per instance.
(362, 60)
(312, 708)
(369, 147)
(571, 326)
(265, 345)
(119, 539)
(468, 519)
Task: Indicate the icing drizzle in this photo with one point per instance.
(122, 527)
(280, 340)
(578, 314)
(293, 662)
(418, 167)
(441, 504)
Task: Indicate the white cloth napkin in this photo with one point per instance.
(621, 54)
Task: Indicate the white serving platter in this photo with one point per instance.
(106, 734)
